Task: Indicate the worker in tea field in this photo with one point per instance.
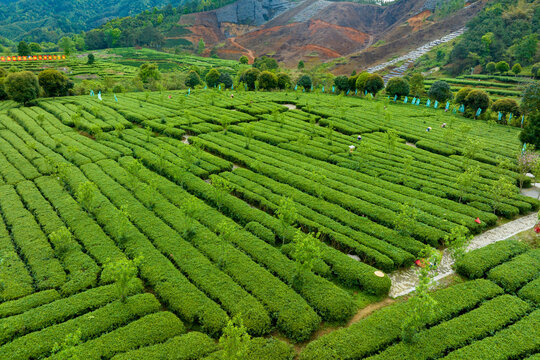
(443, 125)
(428, 129)
(359, 138)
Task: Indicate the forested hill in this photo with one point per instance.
(48, 20)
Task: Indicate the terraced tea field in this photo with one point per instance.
(192, 189)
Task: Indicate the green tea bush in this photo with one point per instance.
(39, 344)
(191, 346)
(261, 232)
(383, 328)
(15, 307)
(512, 275)
(460, 331)
(150, 329)
(477, 263)
(513, 342)
(531, 291)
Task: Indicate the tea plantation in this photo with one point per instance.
(136, 227)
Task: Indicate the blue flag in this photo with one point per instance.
(115, 98)
(323, 88)
(413, 100)
(205, 87)
(510, 117)
(356, 92)
(436, 104)
(99, 96)
(405, 101)
(219, 87)
(478, 112)
(311, 87)
(365, 92)
(91, 92)
(303, 89)
(524, 148)
(428, 102)
(454, 110)
(232, 87)
(462, 108)
(447, 105)
(333, 89)
(499, 116)
(348, 92)
(395, 98)
(522, 119)
(189, 91)
(418, 101)
(296, 88)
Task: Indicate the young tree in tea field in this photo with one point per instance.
(235, 340)
(417, 85)
(422, 306)
(85, 195)
(225, 230)
(222, 187)
(248, 132)
(200, 46)
(525, 162)
(212, 78)
(491, 67)
(193, 79)
(502, 67)
(287, 215)
(457, 241)
(68, 346)
(91, 59)
(466, 180)
(501, 190)
(122, 223)
(391, 140)
(397, 86)
(440, 91)
(244, 59)
(306, 251)
(123, 272)
(405, 219)
(516, 69)
(374, 84)
(319, 179)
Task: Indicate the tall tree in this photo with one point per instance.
(22, 87)
(23, 49)
(67, 45)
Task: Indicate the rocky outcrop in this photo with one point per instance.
(252, 12)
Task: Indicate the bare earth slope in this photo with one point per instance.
(320, 30)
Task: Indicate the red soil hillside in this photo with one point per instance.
(319, 30)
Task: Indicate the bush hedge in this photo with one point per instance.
(531, 291)
(191, 346)
(150, 329)
(383, 328)
(39, 344)
(59, 310)
(460, 331)
(514, 342)
(15, 307)
(512, 275)
(475, 264)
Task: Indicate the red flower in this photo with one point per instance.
(478, 221)
(537, 229)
